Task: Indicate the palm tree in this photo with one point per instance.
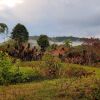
(3, 29)
(68, 43)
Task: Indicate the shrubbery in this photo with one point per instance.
(51, 65)
(81, 89)
(77, 72)
(5, 65)
(21, 77)
(7, 76)
(74, 71)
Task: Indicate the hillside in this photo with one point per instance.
(59, 39)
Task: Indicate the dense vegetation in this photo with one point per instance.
(20, 33)
(48, 72)
(51, 79)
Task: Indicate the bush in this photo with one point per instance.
(5, 66)
(19, 76)
(76, 72)
(80, 89)
(51, 67)
(9, 76)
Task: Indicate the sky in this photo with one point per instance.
(53, 17)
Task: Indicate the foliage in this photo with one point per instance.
(80, 89)
(3, 28)
(54, 46)
(52, 66)
(43, 42)
(68, 43)
(92, 46)
(19, 76)
(8, 75)
(84, 55)
(56, 89)
(20, 33)
(5, 65)
(71, 72)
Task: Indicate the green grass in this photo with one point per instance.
(53, 89)
(88, 68)
(57, 89)
(35, 65)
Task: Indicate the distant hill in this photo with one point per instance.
(59, 39)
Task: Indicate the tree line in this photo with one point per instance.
(22, 48)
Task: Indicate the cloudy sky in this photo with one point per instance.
(53, 17)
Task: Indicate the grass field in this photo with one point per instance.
(61, 88)
(35, 65)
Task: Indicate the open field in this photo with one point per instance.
(61, 88)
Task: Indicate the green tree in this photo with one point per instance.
(3, 29)
(68, 43)
(43, 42)
(20, 33)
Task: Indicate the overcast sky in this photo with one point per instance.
(53, 17)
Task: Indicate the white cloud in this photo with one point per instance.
(9, 3)
(62, 17)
